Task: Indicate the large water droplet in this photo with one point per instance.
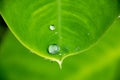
(52, 27)
(53, 49)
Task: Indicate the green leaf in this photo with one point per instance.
(55, 29)
(98, 63)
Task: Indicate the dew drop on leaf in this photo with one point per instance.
(52, 27)
(60, 54)
(53, 49)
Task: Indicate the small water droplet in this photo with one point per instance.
(60, 54)
(53, 49)
(52, 27)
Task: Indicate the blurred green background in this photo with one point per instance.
(102, 62)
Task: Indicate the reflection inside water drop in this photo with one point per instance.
(52, 27)
(53, 49)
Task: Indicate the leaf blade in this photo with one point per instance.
(79, 24)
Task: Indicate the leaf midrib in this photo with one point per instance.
(59, 20)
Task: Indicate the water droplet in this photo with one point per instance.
(60, 54)
(53, 49)
(52, 27)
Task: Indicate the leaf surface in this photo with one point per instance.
(98, 63)
(55, 29)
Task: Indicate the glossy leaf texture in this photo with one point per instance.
(55, 29)
(101, 62)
